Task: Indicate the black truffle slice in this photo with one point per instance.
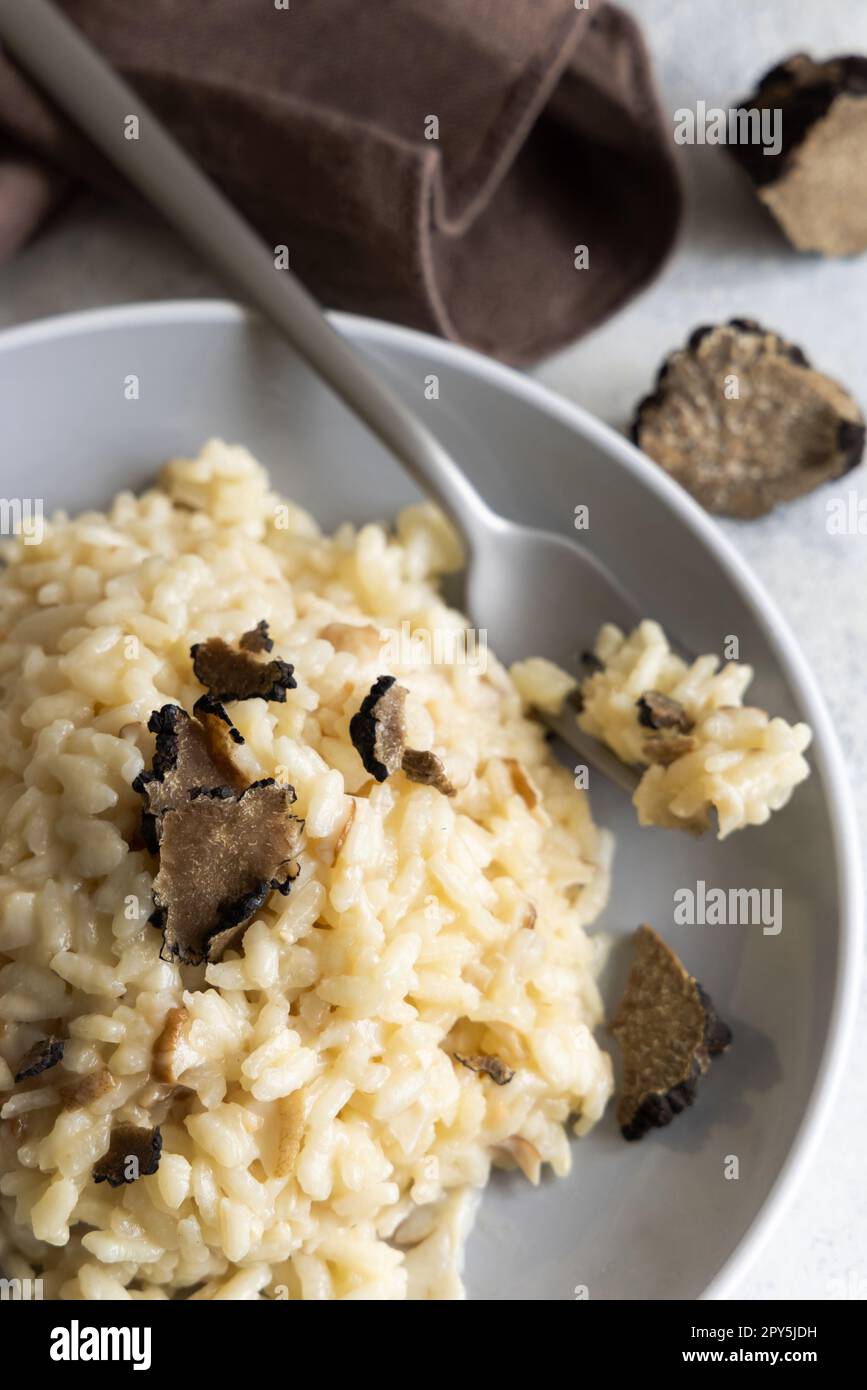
(221, 738)
(378, 730)
(45, 1053)
(668, 1031)
(132, 1153)
(665, 748)
(257, 639)
(816, 186)
(427, 768)
(490, 1066)
(657, 711)
(221, 854)
(230, 673)
(742, 421)
(592, 663)
(189, 753)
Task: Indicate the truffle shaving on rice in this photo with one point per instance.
(266, 1124)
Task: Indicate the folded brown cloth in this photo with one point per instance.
(315, 120)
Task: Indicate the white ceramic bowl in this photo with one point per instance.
(658, 1219)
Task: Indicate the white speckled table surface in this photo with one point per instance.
(730, 261)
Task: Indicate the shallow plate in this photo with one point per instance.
(659, 1219)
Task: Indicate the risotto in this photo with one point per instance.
(687, 725)
(325, 1100)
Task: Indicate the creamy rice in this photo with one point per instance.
(736, 760)
(320, 1140)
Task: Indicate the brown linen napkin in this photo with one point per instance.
(313, 119)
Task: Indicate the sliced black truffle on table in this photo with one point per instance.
(132, 1153)
(189, 753)
(221, 855)
(668, 1031)
(233, 673)
(43, 1055)
(742, 421)
(816, 185)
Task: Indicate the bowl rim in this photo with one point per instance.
(826, 752)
